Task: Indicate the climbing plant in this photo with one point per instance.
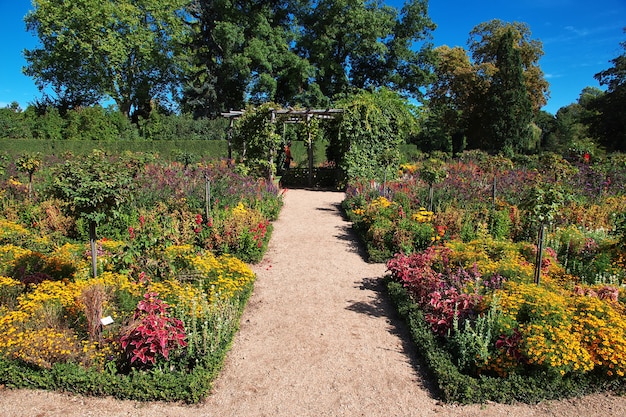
(257, 140)
(370, 131)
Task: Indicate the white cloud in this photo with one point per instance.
(578, 32)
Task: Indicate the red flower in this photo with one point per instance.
(198, 219)
(131, 232)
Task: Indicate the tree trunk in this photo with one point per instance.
(493, 191)
(207, 198)
(30, 186)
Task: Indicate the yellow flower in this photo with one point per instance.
(239, 209)
(423, 216)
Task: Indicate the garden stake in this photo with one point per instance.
(207, 197)
(493, 191)
(92, 243)
(539, 254)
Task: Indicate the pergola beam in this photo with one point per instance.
(294, 115)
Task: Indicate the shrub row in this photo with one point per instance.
(173, 149)
(455, 387)
(156, 384)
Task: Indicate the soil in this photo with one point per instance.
(318, 338)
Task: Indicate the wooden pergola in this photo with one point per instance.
(288, 115)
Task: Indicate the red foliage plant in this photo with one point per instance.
(441, 292)
(152, 333)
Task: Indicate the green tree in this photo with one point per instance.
(29, 164)
(570, 132)
(471, 84)
(608, 124)
(432, 171)
(13, 122)
(452, 99)
(90, 123)
(303, 53)
(126, 50)
(240, 52)
(45, 121)
(484, 44)
(356, 44)
(507, 114)
(546, 121)
(94, 187)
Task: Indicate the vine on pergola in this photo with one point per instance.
(257, 138)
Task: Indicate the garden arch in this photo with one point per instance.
(288, 115)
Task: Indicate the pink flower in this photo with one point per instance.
(142, 277)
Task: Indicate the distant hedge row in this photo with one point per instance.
(195, 149)
(171, 148)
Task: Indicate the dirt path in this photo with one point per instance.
(318, 338)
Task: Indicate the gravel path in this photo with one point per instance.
(318, 338)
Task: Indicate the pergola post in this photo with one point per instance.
(309, 147)
(232, 115)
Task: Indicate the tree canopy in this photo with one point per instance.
(213, 56)
(355, 44)
(124, 50)
(608, 121)
(486, 97)
(507, 114)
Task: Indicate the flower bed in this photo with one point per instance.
(493, 323)
(159, 317)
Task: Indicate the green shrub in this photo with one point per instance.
(499, 224)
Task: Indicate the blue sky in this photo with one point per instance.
(579, 38)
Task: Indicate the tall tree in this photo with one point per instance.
(13, 122)
(126, 50)
(569, 130)
(357, 44)
(471, 86)
(507, 114)
(608, 124)
(453, 97)
(240, 52)
(484, 43)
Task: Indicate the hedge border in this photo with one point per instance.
(155, 385)
(456, 387)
